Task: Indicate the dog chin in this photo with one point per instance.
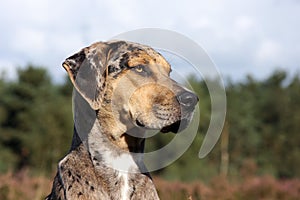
(176, 127)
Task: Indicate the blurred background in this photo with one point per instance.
(254, 44)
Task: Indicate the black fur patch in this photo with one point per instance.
(74, 62)
(112, 69)
(116, 45)
(124, 61)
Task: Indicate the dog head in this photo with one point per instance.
(130, 84)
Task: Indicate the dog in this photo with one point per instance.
(122, 89)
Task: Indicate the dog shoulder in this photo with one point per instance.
(57, 190)
(145, 189)
(76, 178)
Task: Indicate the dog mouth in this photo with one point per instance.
(165, 120)
(139, 123)
(176, 127)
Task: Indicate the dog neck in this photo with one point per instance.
(108, 141)
(112, 164)
(123, 153)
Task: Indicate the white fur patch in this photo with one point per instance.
(124, 164)
(125, 188)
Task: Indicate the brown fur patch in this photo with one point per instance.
(143, 58)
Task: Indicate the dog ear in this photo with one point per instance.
(87, 71)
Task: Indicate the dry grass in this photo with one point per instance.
(259, 188)
(22, 186)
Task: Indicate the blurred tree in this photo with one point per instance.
(38, 125)
(263, 127)
(189, 167)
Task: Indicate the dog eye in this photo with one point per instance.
(139, 68)
(142, 70)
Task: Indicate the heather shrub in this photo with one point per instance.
(22, 186)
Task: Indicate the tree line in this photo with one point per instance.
(262, 127)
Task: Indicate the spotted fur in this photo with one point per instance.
(121, 88)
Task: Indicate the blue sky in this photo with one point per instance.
(241, 37)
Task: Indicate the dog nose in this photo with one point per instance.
(188, 100)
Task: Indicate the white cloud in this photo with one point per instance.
(26, 39)
(240, 36)
(268, 52)
(244, 25)
(9, 72)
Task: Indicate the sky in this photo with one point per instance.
(241, 37)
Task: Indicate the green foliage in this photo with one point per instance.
(262, 116)
(36, 122)
(263, 125)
